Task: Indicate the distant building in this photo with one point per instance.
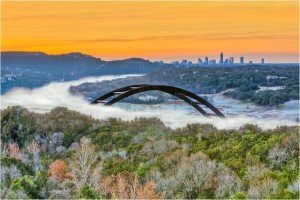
(262, 61)
(206, 60)
(250, 62)
(221, 58)
(200, 61)
(213, 61)
(226, 61)
(275, 77)
(184, 62)
(242, 60)
(231, 60)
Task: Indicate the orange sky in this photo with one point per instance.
(154, 30)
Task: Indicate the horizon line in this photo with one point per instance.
(148, 59)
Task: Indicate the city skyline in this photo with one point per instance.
(154, 30)
(222, 60)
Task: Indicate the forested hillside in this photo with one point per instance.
(34, 69)
(64, 154)
(262, 85)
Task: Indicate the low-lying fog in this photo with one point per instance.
(55, 94)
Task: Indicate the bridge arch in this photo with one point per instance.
(187, 96)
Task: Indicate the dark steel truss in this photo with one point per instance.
(187, 96)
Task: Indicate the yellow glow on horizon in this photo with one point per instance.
(153, 30)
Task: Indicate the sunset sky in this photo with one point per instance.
(154, 30)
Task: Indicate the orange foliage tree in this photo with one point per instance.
(59, 170)
(126, 186)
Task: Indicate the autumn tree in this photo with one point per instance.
(14, 151)
(59, 170)
(127, 186)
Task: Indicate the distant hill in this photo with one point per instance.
(33, 69)
(41, 61)
(75, 62)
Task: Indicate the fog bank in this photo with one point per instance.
(55, 94)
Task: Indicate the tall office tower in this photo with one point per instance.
(221, 58)
(262, 61)
(231, 60)
(242, 60)
(206, 60)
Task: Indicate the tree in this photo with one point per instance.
(86, 192)
(148, 191)
(126, 186)
(34, 149)
(285, 150)
(260, 189)
(85, 169)
(199, 177)
(227, 182)
(17, 125)
(277, 99)
(193, 176)
(55, 142)
(58, 189)
(59, 170)
(14, 151)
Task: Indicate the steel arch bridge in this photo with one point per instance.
(187, 96)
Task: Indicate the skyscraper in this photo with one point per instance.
(206, 60)
(231, 60)
(262, 61)
(221, 58)
(242, 60)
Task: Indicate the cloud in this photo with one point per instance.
(55, 94)
(212, 36)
